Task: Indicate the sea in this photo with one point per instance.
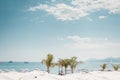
(30, 66)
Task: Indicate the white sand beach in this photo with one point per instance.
(40, 75)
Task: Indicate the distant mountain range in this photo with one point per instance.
(109, 59)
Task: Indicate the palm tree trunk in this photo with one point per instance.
(65, 70)
(48, 69)
(72, 70)
(61, 70)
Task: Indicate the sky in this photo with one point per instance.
(30, 29)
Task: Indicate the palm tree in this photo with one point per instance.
(103, 66)
(60, 65)
(73, 63)
(66, 63)
(48, 62)
(116, 66)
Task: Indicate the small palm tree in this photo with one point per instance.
(73, 63)
(66, 63)
(116, 66)
(60, 65)
(103, 66)
(48, 62)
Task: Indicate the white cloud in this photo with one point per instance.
(90, 43)
(61, 11)
(113, 6)
(40, 7)
(53, 0)
(102, 17)
(79, 8)
(79, 39)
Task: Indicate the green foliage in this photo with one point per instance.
(73, 63)
(103, 66)
(48, 62)
(66, 62)
(116, 66)
(61, 62)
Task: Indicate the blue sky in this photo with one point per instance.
(30, 29)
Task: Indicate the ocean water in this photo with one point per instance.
(22, 66)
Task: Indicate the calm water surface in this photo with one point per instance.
(21, 66)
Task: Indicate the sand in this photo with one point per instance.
(40, 75)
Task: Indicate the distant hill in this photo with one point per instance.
(109, 59)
